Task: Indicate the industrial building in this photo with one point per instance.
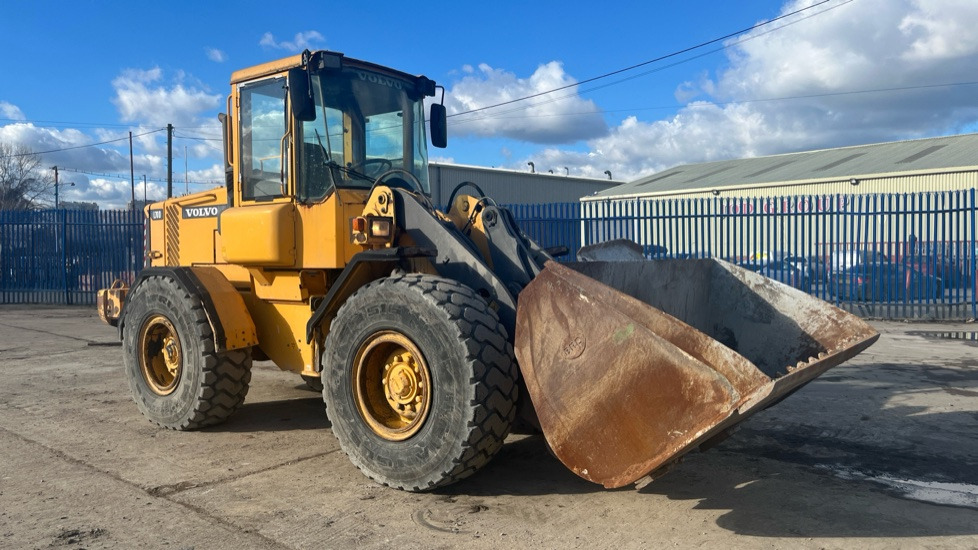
(512, 186)
(934, 164)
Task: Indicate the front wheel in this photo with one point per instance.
(420, 382)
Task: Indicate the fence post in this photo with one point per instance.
(3, 263)
(974, 260)
(64, 253)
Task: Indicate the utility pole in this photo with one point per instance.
(169, 161)
(132, 176)
(55, 168)
(144, 190)
(186, 172)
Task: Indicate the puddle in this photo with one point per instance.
(944, 335)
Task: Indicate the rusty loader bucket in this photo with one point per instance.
(631, 364)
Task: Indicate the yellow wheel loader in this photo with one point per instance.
(430, 333)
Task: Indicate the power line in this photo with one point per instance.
(644, 73)
(738, 102)
(644, 63)
(61, 123)
(67, 123)
(197, 138)
(85, 146)
(126, 177)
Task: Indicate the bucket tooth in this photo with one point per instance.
(629, 365)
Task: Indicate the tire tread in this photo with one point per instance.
(492, 409)
(225, 376)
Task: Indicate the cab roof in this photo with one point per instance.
(300, 60)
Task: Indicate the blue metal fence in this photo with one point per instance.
(879, 255)
(551, 225)
(64, 256)
(886, 256)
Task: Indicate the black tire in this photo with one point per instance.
(472, 378)
(207, 386)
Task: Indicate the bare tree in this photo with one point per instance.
(24, 183)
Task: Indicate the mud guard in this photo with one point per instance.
(226, 312)
(630, 365)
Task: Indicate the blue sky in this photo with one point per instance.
(845, 72)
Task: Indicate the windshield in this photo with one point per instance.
(366, 124)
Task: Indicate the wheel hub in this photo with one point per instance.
(171, 350)
(391, 385)
(160, 355)
(403, 387)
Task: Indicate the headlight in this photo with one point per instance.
(380, 228)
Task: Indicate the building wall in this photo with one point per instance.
(948, 180)
(811, 217)
(511, 186)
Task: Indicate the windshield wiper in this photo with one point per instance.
(330, 163)
(327, 154)
(352, 173)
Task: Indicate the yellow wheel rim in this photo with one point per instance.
(391, 385)
(160, 355)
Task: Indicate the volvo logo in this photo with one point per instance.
(382, 80)
(194, 212)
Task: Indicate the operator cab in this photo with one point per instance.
(353, 122)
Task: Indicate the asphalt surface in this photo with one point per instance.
(881, 452)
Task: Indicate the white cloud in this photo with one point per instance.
(906, 46)
(306, 40)
(862, 46)
(148, 99)
(142, 99)
(77, 155)
(940, 29)
(557, 117)
(216, 55)
(701, 132)
(113, 193)
(11, 111)
(215, 174)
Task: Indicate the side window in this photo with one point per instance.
(264, 162)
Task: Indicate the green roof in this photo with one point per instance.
(941, 153)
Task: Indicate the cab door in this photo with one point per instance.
(259, 230)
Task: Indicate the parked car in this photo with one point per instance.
(789, 269)
(940, 266)
(819, 270)
(759, 260)
(790, 272)
(841, 260)
(884, 282)
(751, 265)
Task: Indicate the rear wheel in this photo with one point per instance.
(420, 381)
(176, 377)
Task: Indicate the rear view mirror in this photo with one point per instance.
(303, 106)
(439, 125)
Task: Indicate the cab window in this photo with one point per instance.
(385, 137)
(264, 164)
